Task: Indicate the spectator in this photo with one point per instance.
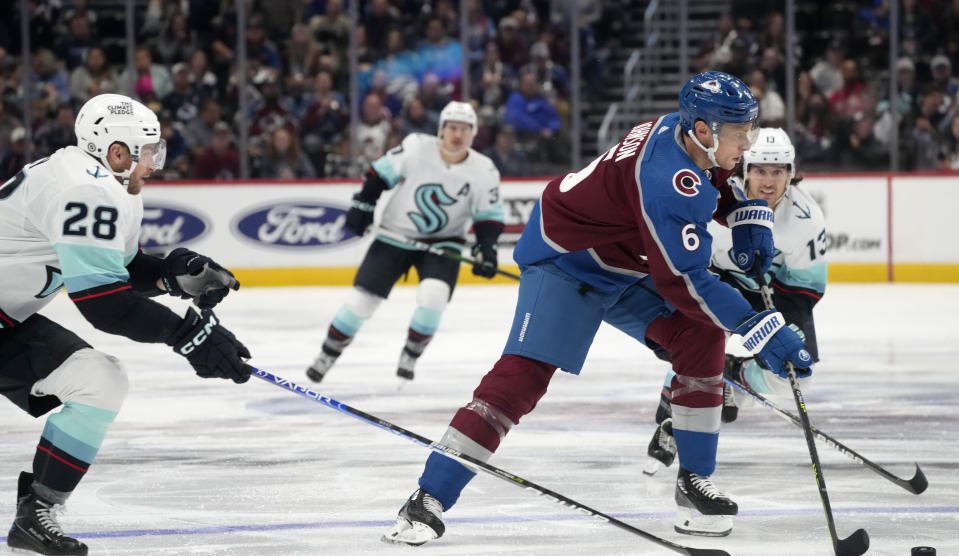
(827, 73)
(863, 151)
(219, 161)
(433, 94)
(323, 120)
(772, 109)
(203, 79)
(282, 158)
(480, 30)
(513, 47)
(399, 67)
(416, 119)
(176, 42)
(184, 100)
(553, 80)
(528, 111)
(846, 101)
(258, 45)
(198, 132)
(151, 82)
(73, 48)
(58, 135)
(273, 110)
(378, 87)
(94, 77)
(949, 158)
(177, 156)
(302, 58)
(925, 136)
(331, 31)
(371, 133)
(509, 159)
(13, 159)
(8, 123)
(378, 21)
(492, 79)
(441, 55)
(941, 69)
(51, 80)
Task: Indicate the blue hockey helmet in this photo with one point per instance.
(716, 98)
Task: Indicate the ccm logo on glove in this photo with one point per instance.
(200, 337)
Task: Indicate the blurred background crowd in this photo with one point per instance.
(410, 56)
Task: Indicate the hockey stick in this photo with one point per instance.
(858, 542)
(475, 463)
(916, 485)
(423, 246)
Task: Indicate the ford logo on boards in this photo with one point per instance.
(165, 226)
(295, 224)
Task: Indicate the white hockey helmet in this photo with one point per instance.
(771, 147)
(457, 111)
(110, 118)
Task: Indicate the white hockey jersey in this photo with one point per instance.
(431, 199)
(799, 235)
(64, 221)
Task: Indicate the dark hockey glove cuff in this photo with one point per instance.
(187, 275)
(212, 350)
(484, 259)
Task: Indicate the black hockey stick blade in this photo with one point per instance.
(853, 545)
(918, 483)
(706, 552)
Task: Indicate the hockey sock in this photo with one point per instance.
(68, 445)
(335, 342)
(696, 430)
(444, 479)
(664, 411)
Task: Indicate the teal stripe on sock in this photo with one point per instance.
(79, 429)
(347, 322)
(425, 321)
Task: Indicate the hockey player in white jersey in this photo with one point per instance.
(797, 275)
(72, 220)
(439, 188)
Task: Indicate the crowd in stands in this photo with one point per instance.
(409, 52)
(297, 82)
(843, 119)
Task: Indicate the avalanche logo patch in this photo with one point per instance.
(712, 85)
(686, 182)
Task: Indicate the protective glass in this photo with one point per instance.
(739, 135)
(155, 152)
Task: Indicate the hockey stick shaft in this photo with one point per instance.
(916, 485)
(423, 246)
(858, 542)
(476, 464)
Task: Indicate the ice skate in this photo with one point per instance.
(420, 520)
(404, 369)
(703, 509)
(320, 366)
(35, 527)
(662, 448)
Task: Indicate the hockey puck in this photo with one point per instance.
(923, 551)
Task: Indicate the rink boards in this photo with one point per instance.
(879, 227)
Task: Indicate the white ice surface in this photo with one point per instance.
(196, 466)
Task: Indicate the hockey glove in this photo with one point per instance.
(360, 215)
(484, 259)
(213, 351)
(751, 223)
(190, 275)
(774, 344)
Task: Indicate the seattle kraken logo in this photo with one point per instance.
(54, 283)
(429, 199)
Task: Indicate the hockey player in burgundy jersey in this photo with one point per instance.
(624, 241)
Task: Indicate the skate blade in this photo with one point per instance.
(653, 466)
(691, 522)
(408, 533)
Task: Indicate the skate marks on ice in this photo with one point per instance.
(205, 467)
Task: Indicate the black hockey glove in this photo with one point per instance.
(484, 259)
(360, 215)
(213, 351)
(190, 275)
